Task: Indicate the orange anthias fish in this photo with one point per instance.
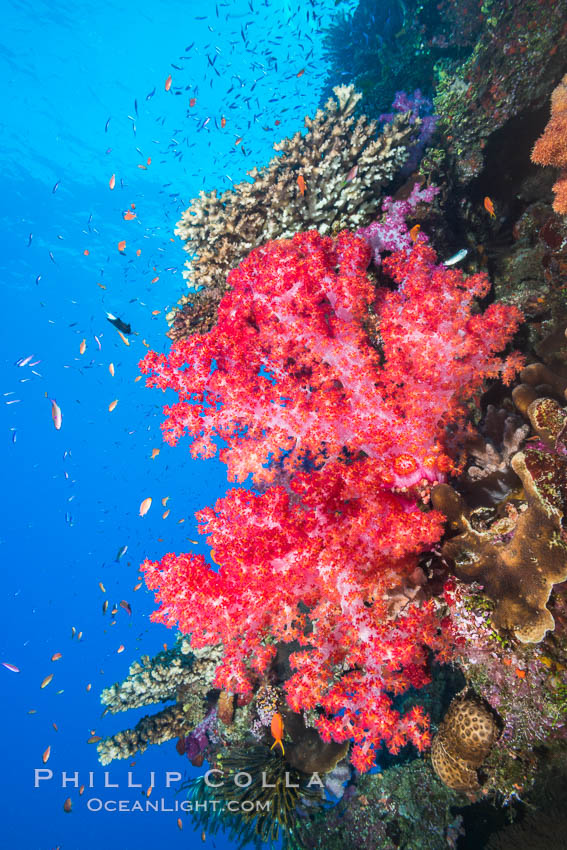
(223, 122)
(489, 207)
(112, 182)
(128, 216)
(122, 246)
(277, 730)
(414, 231)
(168, 83)
(301, 184)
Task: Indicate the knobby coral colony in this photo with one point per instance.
(337, 395)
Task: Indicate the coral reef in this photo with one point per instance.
(329, 178)
(511, 71)
(463, 742)
(403, 808)
(551, 147)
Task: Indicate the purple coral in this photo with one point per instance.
(391, 232)
(202, 735)
(419, 107)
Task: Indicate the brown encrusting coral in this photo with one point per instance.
(464, 740)
(328, 179)
(551, 147)
(521, 556)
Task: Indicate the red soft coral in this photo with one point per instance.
(346, 391)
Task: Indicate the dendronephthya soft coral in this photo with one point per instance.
(343, 393)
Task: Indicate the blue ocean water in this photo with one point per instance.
(85, 99)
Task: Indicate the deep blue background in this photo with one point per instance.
(66, 69)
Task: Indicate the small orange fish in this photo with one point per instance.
(193, 101)
(102, 587)
(55, 727)
(105, 606)
(83, 346)
(179, 823)
(521, 674)
(301, 184)
(277, 730)
(46, 681)
(414, 232)
(143, 167)
(239, 139)
(352, 174)
(138, 586)
(124, 339)
(128, 216)
(138, 378)
(149, 791)
(223, 122)
(81, 790)
(86, 252)
(112, 405)
(489, 207)
(56, 656)
(111, 369)
(165, 500)
(155, 312)
(300, 73)
(165, 514)
(67, 805)
(120, 648)
(155, 453)
(168, 83)
(149, 161)
(45, 756)
(89, 686)
(122, 246)
(138, 252)
(112, 182)
(155, 279)
(126, 606)
(145, 506)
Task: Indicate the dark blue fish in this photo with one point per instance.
(55, 187)
(106, 126)
(136, 107)
(30, 239)
(52, 258)
(150, 95)
(37, 280)
(177, 67)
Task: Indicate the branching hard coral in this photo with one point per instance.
(290, 377)
(155, 729)
(551, 147)
(221, 230)
(182, 674)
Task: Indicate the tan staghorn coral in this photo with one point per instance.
(220, 230)
(181, 674)
(152, 729)
(520, 557)
(465, 738)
